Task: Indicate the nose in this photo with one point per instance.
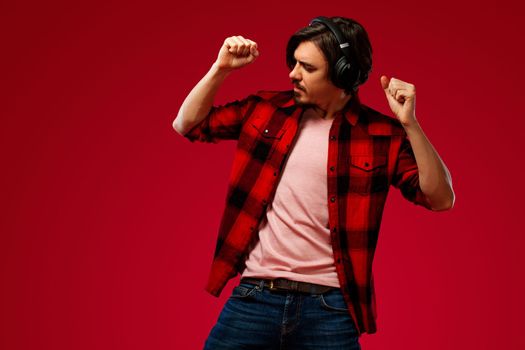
(294, 74)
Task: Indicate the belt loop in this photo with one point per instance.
(261, 285)
(295, 285)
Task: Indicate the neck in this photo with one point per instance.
(333, 107)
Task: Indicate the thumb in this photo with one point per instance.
(384, 82)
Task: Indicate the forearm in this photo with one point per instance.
(434, 178)
(199, 101)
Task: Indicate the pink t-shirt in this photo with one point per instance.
(294, 237)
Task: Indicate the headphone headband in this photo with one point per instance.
(343, 44)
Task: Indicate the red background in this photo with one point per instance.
(109, 217)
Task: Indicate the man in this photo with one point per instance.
(309, 181)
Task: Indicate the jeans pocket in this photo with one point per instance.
(244, 290)
(333, 301)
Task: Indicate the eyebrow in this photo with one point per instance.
(305, 63)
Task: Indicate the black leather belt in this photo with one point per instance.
(283, 284)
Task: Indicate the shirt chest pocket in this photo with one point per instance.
(267, 135)
(368, 173)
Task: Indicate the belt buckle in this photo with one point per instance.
(273, 287)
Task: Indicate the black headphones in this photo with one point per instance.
(345, 75)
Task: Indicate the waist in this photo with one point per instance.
(286, 285)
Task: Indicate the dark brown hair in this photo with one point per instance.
(325, 40)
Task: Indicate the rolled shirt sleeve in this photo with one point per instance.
(223, 122)
(406, 175)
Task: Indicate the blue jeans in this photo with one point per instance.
(256, 318)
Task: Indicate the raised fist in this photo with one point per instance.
(236, 52)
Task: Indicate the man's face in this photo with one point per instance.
(310, 76)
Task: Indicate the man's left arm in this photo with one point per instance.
(434, 178)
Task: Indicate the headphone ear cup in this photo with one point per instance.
(359, 79)
(346, 76)
(341, 72)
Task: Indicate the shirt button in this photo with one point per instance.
(332, 137)
(334, 229)
(338, 260)
(265, 131)
(366, 163)
(264, 201)
(332, 168)
(275, 173)
(332, 199)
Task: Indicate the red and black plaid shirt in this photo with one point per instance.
(367, 152)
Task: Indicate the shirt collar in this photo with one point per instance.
(350, 110)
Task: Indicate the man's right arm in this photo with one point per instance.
(199, 101)
(235, 52)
